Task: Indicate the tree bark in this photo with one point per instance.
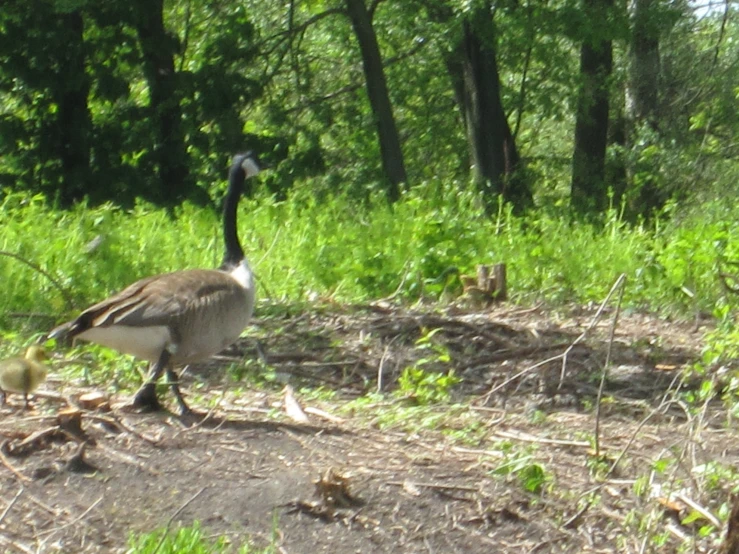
(495, 159)
(170, 154)
(391, 152)
(642, 101)
(73, 122)
(589, 190)
(645, 65)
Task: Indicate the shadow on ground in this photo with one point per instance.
(509, 466)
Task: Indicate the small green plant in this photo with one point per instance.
(425, 387)
(716, 475)
(530, 473)
(188, 540)
(428, 387)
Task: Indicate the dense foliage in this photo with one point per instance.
(118, 101)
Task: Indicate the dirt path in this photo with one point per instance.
(509, 467)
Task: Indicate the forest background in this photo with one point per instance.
(572, 139)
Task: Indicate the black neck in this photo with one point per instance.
(234, 254)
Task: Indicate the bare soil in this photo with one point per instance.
(75, 479)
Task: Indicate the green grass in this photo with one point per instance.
(187, 539)
(303, 248)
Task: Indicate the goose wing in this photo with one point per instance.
(161, 300)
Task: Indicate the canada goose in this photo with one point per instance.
(23, 375)
(181, 317)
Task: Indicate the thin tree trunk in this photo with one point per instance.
(642, 95)
(493, 152)
(73, 117)
(390, 149)
(158, 48)
(589, 189)
(645, 66)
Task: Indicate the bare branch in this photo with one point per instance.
(65, 294)
(287, 33)
(356, 86)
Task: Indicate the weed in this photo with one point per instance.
(421, 385)
(520, 463)
(186, 539)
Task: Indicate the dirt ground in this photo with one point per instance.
(81, 479)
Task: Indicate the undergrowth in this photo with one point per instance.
(304, 248)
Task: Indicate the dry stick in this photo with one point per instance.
(18, 546)
(496, 388)
(4, 460)
(700, 509)
(663, 403)
(619, 282)
(593, 323)
(382, 365)
(563, 355)
(10, 505)
(65, 294)
(525, 437)
(74, 521)
(433, 486)
(174, 515)
(118, 422)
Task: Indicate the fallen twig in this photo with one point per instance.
(74, 521)
(4, 460)
(174, 515)
(525, 437)
(433, 486)
(700, 509)
(619, 283)
(11, 504)
(21, 547)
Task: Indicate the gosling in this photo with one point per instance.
(22, 375)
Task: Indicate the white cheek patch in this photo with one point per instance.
(250, 167)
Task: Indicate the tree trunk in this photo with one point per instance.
(390, 149)
(589, 189)
(493, 152)
(645, 66)
(170, 154)
(73, 122)
(642, 97)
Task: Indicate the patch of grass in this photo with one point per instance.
(187, 539)
(303, 249)
(390, 412)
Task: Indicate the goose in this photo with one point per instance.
(182, 317)
(23, 375)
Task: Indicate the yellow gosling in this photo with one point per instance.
(23, 375)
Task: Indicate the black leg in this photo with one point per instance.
(25, 398)
(146, 396)
(174, 384)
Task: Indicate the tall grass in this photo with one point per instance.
(306, 247)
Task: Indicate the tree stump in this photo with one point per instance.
(487, 287)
